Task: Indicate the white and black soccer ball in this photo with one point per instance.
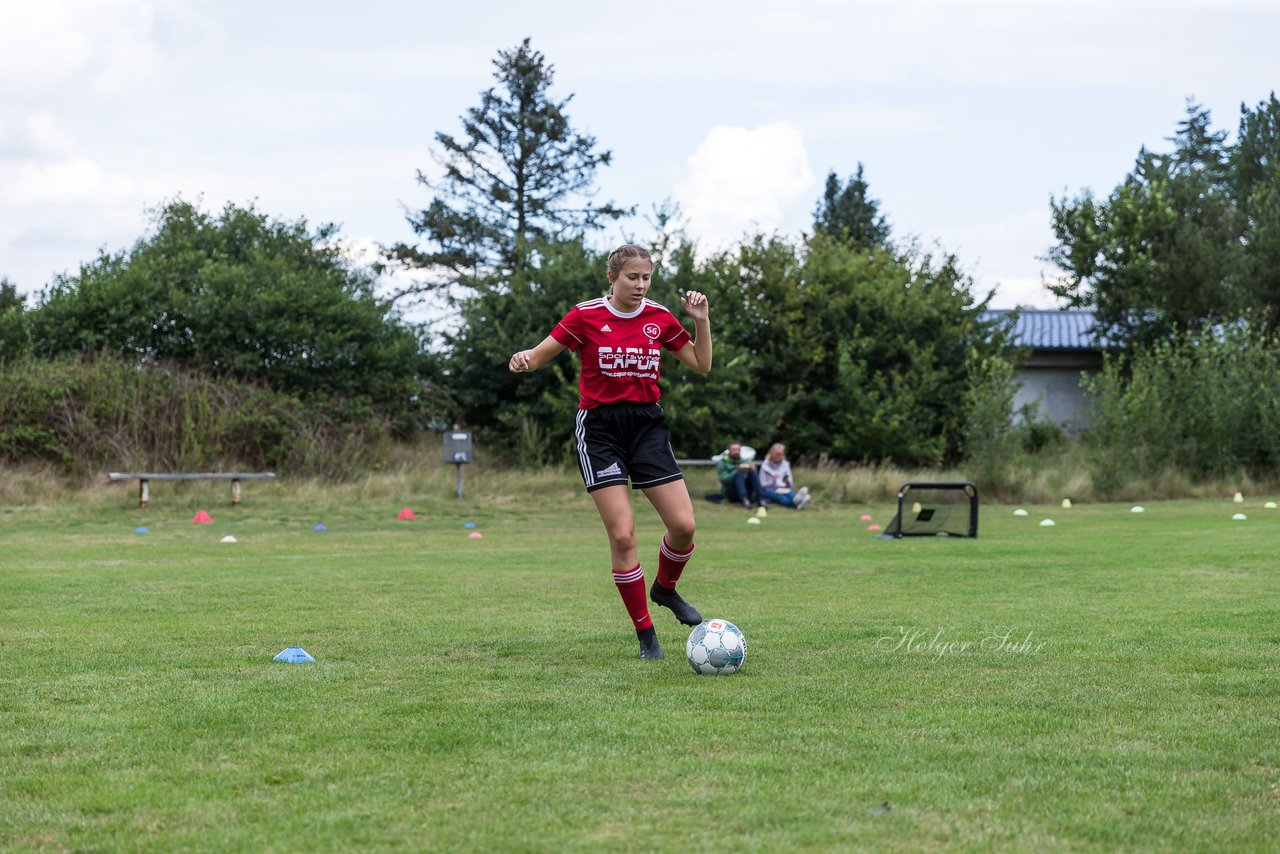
(716, 648)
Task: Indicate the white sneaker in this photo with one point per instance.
(802, 499)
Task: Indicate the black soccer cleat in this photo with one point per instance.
(649, 646)
(684, 612)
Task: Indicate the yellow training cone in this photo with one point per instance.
(1066, 504)
(1239, 499)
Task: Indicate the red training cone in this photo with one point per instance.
(406, 515)
(202, 518)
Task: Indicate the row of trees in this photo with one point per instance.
(845, 342)
(850, 350)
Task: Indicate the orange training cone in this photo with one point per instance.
(202, 518)
(406, 515)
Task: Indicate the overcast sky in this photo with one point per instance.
(967, 116)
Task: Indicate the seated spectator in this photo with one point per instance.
(776, 485)
(738, 477)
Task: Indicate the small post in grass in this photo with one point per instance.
(457, 450)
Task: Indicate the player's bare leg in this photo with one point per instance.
(614, 505)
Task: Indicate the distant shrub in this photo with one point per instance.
(1207, 404)
(1036, 432)
(991, 439)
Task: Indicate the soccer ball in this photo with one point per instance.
(716, 647)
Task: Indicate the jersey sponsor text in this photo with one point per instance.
(638, 359)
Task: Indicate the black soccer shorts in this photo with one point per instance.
(624, 441)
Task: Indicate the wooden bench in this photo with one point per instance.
(144, 491)
(707, 462)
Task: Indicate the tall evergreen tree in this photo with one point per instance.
(1162, 253)
(848, 213)
(1255, 174)
(519, 175)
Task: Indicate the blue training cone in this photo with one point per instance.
(293, 655)
(140, 530)
(319, 528)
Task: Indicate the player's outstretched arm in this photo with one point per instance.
(697, 353)
(530, 360)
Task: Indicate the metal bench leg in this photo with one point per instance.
(144, 493)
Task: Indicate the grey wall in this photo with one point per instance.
(1058, 392)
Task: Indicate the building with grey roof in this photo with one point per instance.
(1061, 347)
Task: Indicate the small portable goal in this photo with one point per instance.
(935, 510)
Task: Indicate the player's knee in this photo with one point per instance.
(622, 539)
(680, 532)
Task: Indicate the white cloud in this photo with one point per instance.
(106, 45)
(74, 180)
(109, 106)
(741, 180)
(36, 135)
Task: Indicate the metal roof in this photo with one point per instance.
(1053, 329)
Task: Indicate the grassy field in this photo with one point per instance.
(1111, 683)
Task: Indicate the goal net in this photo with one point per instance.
(935, 509)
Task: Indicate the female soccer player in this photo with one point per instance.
(621, 432)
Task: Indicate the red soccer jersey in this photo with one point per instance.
(620, 352)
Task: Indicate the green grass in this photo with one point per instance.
(486, 695)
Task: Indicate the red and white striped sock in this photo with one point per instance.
(631, 588)
(671, 564)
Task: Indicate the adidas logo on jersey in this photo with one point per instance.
(605, 328)
(610, 471)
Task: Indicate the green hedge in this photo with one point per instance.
(1207, 404)
(84, 415)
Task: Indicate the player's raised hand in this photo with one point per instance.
(695, 304)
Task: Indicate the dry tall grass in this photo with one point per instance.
(418, 475)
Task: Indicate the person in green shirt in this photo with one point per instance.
(738, 477)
